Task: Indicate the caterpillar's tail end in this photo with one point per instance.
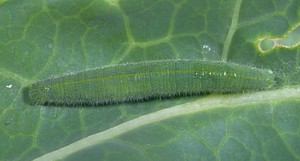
(278, 82)
(28, 96)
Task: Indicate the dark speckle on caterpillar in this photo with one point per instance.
(147, 80)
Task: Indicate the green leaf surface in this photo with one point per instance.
(42, 39)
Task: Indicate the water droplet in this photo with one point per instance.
(50, 46)
(206, 47)
(270, 71)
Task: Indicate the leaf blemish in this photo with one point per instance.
(289, 40)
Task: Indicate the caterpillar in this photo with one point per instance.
(133, 82)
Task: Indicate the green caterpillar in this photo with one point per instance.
(147, 80)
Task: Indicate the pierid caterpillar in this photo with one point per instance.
(144, 80)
